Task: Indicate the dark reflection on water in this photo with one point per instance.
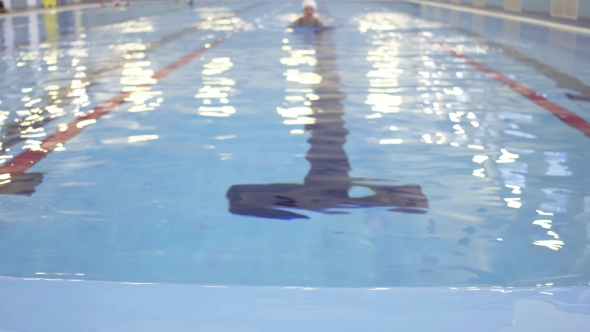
(327, 184)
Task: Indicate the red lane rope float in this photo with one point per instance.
(566, 116)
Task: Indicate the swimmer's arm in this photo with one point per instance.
(319, 22)
(297, 22)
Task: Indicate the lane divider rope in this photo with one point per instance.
(566, 116)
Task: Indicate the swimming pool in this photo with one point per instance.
(407, 147)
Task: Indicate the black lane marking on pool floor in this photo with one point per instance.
(326, 186)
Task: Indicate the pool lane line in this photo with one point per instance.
(21, 163)
(566, 116)
(10, 132)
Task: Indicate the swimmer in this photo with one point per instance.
(308, 19)
(117, 3)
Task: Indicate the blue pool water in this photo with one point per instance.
(363, 156)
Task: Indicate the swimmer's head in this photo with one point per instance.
(309, 7)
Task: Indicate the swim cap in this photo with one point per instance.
(309, 3)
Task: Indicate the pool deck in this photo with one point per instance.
(54, 305)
